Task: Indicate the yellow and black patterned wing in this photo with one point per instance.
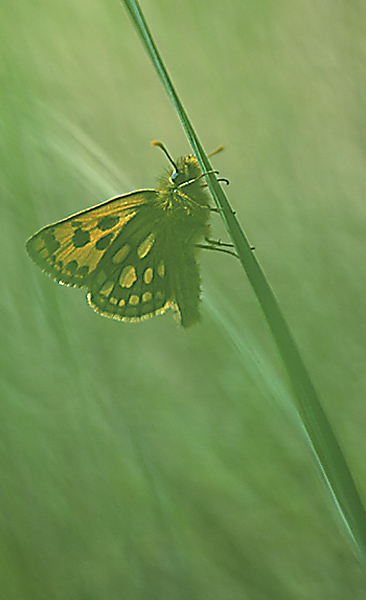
(70, 250)
(116, 251)
(147, 269)
(132, 282)
(134, 254)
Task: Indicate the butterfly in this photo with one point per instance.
(135, 254)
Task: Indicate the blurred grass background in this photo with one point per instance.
(140, 460)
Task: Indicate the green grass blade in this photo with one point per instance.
(322, 438)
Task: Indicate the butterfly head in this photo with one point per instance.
(186, 170)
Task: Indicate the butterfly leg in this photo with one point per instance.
(217, 246)
(219, 210)
(223, 179)
(197, 178)
(218, 243)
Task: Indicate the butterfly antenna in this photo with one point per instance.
(161, 145)
(216, 151)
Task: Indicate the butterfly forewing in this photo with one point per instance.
(70, 250)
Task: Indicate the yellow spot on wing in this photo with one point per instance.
(128, 276)
(145, 246)
(106, 288)
(161, 269)
(148, 275)
(121, 254)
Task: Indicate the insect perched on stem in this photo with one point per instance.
(135, 254)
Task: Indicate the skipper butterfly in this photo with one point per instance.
(134, 254)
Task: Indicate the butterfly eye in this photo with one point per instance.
(174, 176)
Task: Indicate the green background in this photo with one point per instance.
(142, 461)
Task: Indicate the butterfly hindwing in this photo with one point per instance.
(132, 282)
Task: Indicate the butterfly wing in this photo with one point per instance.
(184, 280)
(132, 282)
(149, 267)
(116, 251)
(70, 250)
